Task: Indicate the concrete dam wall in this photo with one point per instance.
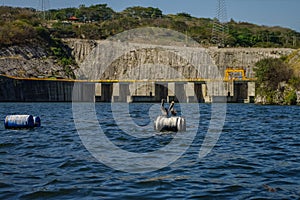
(31, 90)
(144, 72)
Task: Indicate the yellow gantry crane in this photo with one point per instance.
(234, 74)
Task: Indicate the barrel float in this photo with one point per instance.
(163, 123)
(19, 121)
(37, 121)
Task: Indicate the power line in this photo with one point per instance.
(43, 7)
(220, 28)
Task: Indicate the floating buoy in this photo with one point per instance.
(19, 121)
(37, 121)
(163, 123)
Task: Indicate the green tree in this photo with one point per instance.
(185, 15)
(270, 72)
(141, 12)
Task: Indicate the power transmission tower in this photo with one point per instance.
(220, 28)
(44, 5)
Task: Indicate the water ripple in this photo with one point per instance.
(256, 157)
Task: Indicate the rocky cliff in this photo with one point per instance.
(223, 57)
(294, 61)
(32, 61)
(245, 57)
(36, 61)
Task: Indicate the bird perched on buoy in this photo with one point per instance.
(165, 122)
(172, 109)
(164, 111)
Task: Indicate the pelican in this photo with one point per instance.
(164, 111)
(172, 109)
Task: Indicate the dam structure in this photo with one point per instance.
(142, 72)
(119, 70)
(184, 91)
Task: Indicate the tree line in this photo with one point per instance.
(23, 25)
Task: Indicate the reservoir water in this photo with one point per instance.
(257, 156)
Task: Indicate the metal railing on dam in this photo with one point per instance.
(128, 80)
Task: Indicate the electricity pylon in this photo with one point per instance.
(220, 28)
(44, 5)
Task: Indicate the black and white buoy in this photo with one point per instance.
(163, 123)
(21, 121)
(166, 123)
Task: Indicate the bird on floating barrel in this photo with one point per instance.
(172, 123)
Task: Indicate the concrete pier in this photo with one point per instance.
(183, 92)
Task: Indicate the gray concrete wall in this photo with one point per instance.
(14, 90)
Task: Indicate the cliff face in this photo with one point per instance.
(35, 61)
(30, 61)
(245, 57)
(223, 57)
(294, 61)
(81, 48)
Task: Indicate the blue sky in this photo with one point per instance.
(264, 12)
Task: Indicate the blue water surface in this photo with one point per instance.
(256, 157)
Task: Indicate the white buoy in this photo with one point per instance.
(19, 121)
(163, 123)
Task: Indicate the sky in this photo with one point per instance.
(283, 13)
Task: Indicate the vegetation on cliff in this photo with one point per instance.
(277, 81)
(24, 28)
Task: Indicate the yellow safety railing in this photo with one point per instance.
(126, 81)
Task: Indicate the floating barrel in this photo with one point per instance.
(163, 123)
(19, 121)
(37, 121)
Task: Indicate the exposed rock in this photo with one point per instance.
(261, 99)
(284, 95)
(223, 57)
(245, 57)
(294, 61)
(298, 97)
(81, 48)
(35, 61)
(30, 61)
